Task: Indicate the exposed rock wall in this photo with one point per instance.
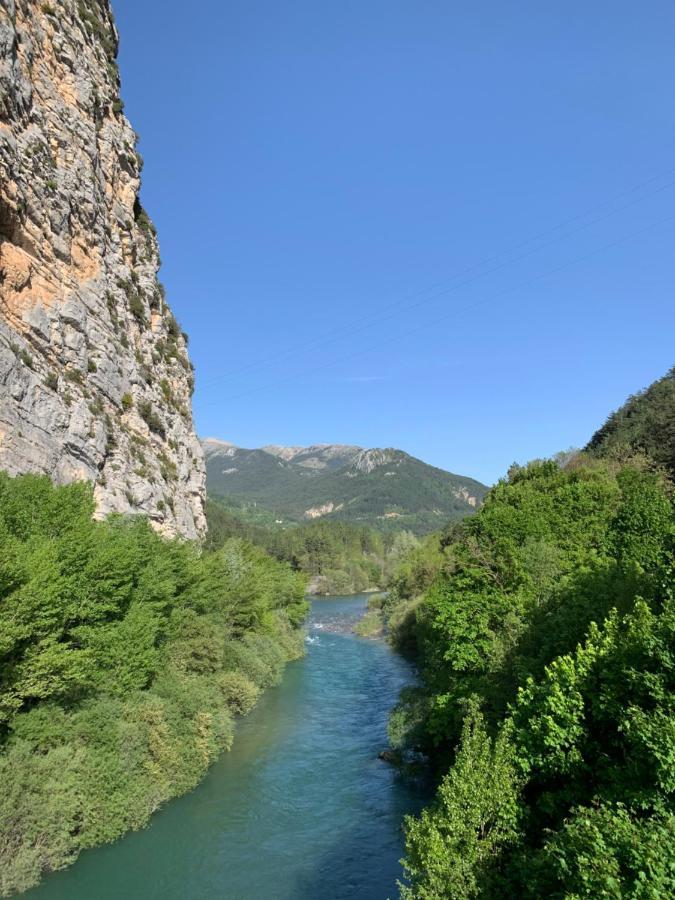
(95, 380)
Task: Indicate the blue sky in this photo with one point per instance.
(446, 227)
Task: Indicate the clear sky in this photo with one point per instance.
(440, 226)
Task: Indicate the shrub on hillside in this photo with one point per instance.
(546, 648)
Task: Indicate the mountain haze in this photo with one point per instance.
(384, 487)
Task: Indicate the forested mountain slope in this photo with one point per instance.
(545, 635)
(338, 557)
(646, 422)
(387, 488)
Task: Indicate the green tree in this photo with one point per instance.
(124, 658)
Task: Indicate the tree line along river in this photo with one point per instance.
(301, 808)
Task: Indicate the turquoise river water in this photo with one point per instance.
(301, 808)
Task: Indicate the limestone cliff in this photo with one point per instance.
(95, 380)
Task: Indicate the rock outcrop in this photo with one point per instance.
(95, 379)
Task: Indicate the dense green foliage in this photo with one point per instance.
(123, 659)
(414, 574)
(389, 490)
(225, 523)
(339, 557)
(372, 623)
(646, 422)
(547, 647)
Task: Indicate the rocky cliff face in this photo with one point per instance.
(95, 380)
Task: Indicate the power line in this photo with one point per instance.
(403, 305)
(452, 313)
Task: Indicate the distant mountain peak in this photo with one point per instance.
(282, 452)
(315, 456)
(368, 460)
(214, 447)
(216, 442)
(324, 452)
(339, 481)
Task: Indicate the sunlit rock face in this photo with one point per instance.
(95, 379)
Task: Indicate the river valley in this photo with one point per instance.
(301, 808)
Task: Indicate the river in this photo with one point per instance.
(301, 808)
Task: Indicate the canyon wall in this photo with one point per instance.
(95, 379)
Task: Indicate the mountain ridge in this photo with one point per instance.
(386, 487)
(644, 423)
